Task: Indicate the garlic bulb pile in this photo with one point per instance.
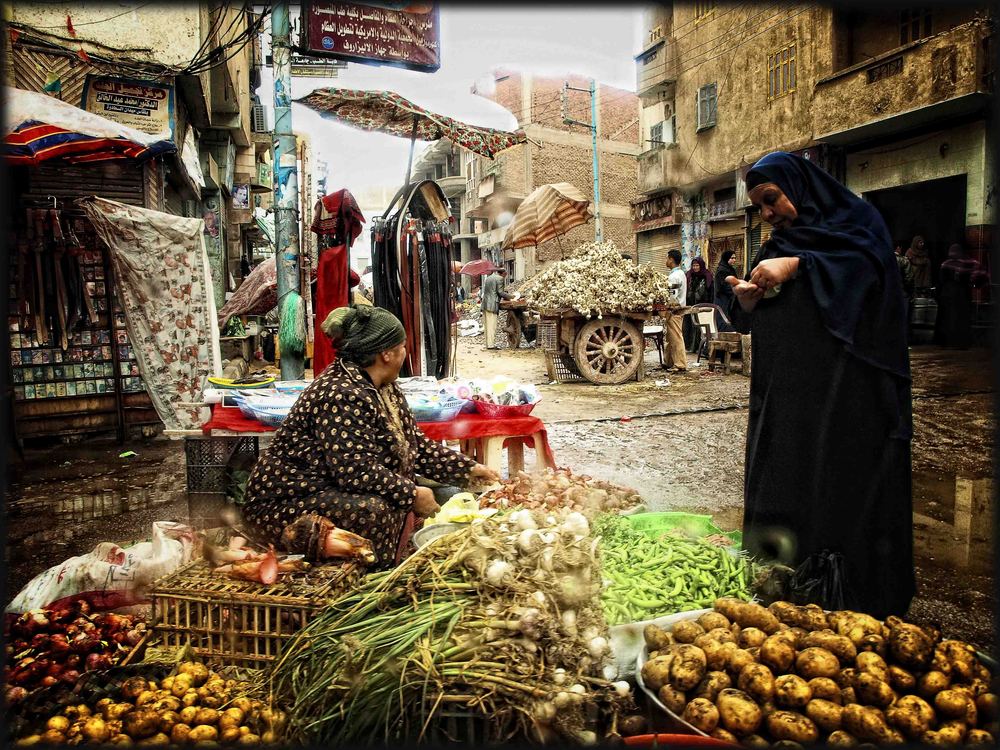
(596, 280)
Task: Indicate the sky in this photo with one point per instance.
(592, 41)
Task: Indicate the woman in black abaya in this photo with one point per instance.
(828, 442)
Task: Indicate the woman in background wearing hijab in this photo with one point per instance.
(723, 293)
(699, 290)
(349, 450)
(828, 442)
(957, 277)
(920, 263)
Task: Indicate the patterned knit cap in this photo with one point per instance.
(362, 331)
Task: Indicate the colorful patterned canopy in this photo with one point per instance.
(549, 211)
(38, 127)
(388, 112)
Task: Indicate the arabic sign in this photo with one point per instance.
(144, 105)
(392, 32)
(653, 213)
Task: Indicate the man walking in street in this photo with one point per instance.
(674, 323)
(492, 294)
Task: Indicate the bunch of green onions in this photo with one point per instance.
(383, 662)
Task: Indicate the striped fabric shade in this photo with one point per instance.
(548, 212)
(38, 128)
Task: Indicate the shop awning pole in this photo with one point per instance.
(413, 142)
(286, 185)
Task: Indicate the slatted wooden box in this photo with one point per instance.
(241, 623)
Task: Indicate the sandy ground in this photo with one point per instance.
(679, 442)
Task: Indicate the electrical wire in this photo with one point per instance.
(101, 20)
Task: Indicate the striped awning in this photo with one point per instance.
(548, 212)
(38, 128)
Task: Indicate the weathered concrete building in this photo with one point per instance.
(220, 135)
(555, 152)
(893, 102)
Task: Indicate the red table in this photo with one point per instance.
(482, 437)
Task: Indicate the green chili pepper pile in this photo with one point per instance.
(647, 577)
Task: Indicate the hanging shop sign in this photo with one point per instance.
(404, 34)
(147, 106)
(653, 213)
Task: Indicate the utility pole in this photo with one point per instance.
(286, 183)
(592, 126)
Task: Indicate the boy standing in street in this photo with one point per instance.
(674, 323)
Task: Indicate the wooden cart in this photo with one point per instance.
(606, 350)
(518, 323)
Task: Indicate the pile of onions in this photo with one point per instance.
(560, 488)
(45, 647)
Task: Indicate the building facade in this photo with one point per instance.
(154, 70)
(892, 102)
(58, 47)
(554, 152)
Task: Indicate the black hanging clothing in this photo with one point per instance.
(828, 441)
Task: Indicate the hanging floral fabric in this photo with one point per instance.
(161, 271)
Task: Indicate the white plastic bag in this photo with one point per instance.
(110, 577)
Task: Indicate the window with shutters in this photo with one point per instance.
(703, 9)
(781, 74)
(707, 106)
(914, 24)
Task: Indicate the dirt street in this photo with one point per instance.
(678, 439)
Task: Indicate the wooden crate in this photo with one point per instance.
(241, 623)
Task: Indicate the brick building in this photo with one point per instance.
(892, 102)
(555, 152)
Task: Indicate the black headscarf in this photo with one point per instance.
(845, 250)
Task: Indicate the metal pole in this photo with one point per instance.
(286, 185)
(597, 173)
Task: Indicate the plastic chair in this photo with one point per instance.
(703, 318)
(655, 333)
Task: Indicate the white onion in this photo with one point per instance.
(498, 572)
(523, 520)
(539, 598)
(568, 618)
(563, 699)
(578, 689)
(598, 647)
(559, 676)
(622, 688)
(528, 541)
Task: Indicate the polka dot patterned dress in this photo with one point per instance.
(349, 452)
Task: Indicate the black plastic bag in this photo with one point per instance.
(820, 579)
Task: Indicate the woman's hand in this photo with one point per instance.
(747, 293)
(773, 271)
(424, 504)
(484, 474)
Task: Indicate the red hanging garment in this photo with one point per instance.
(337, 216)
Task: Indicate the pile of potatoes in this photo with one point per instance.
(194, 706)
(789, 675)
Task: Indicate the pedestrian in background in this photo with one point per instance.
(828, 472)
(673, 323)
(492, 293)
(722, 293)
(699, 290)
(920, 261)
(959, 275)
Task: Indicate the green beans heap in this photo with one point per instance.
(647, 577)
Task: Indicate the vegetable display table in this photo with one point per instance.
(484, 438)
(479, 437)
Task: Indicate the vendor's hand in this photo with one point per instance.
(773, 271)
(484, 474)
(424, 504)
(747, 293)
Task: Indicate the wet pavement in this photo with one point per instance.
(678, 439)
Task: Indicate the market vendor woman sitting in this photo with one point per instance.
(349, 450)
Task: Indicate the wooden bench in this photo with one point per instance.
(725, 344)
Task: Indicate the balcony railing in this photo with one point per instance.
(722, 208)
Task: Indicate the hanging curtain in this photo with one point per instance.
(162, 274)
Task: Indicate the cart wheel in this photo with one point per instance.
(608, 351)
